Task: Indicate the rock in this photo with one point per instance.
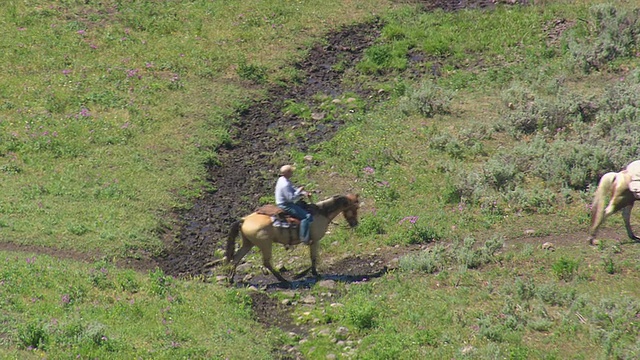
(243, 268)
(317, 116)
(467, 349)
(308, 158)
(309, 300)
(286, 302)
(529, 232)
(288, 293)
(342, 332)
(327, 284)
(548, 246)
(331, 357)
(247, 278)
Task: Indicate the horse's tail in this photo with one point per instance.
(231, 240)
(597, 206)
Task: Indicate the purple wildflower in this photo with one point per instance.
(81, 32)
(84, 112)
(411, 219)
(66, 299)
(369, 170)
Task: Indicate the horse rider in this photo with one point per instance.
(287, 195)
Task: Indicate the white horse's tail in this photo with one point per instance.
(597, 206)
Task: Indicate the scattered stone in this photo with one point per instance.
(243, 268)
(336, 305)
(467, 349)
(342, 332)
(548, 246)
(221, 278)
(286, 302)
(336, 101)
(529, 232)
(247, 278)
(288, 293)
(309, 300)
(308, 158)
(317, 116)
(324, 332)
(253, 288)
(327, 284)
(331, 357)
(350, 100)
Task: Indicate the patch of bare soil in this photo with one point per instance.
(246, 170)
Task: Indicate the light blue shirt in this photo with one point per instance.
(285, 192)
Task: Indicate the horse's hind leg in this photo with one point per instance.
(626, 215)
(244, 250)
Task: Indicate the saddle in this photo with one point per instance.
(279, 217)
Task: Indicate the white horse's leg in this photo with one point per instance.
(626, 215)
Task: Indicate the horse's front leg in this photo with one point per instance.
(313, 251)
(626, 215)
(313, 254)
(266, 262)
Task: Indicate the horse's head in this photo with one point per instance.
(350, 212)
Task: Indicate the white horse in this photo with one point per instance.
(623, 187)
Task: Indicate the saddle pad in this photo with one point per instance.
(288, 223)
(634, 187)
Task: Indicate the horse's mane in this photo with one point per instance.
(327, 206)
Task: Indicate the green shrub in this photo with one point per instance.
(607, 34)
(427, 100)
(428, 261)
(362, 312)
(565, 269)
(251, 72)
(34, 335)
(370, 225)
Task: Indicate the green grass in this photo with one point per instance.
(109, 114)
(101, 311)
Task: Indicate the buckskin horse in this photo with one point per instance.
(258, 230)
(624, 189)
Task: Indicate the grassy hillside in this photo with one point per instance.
(495, 127)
